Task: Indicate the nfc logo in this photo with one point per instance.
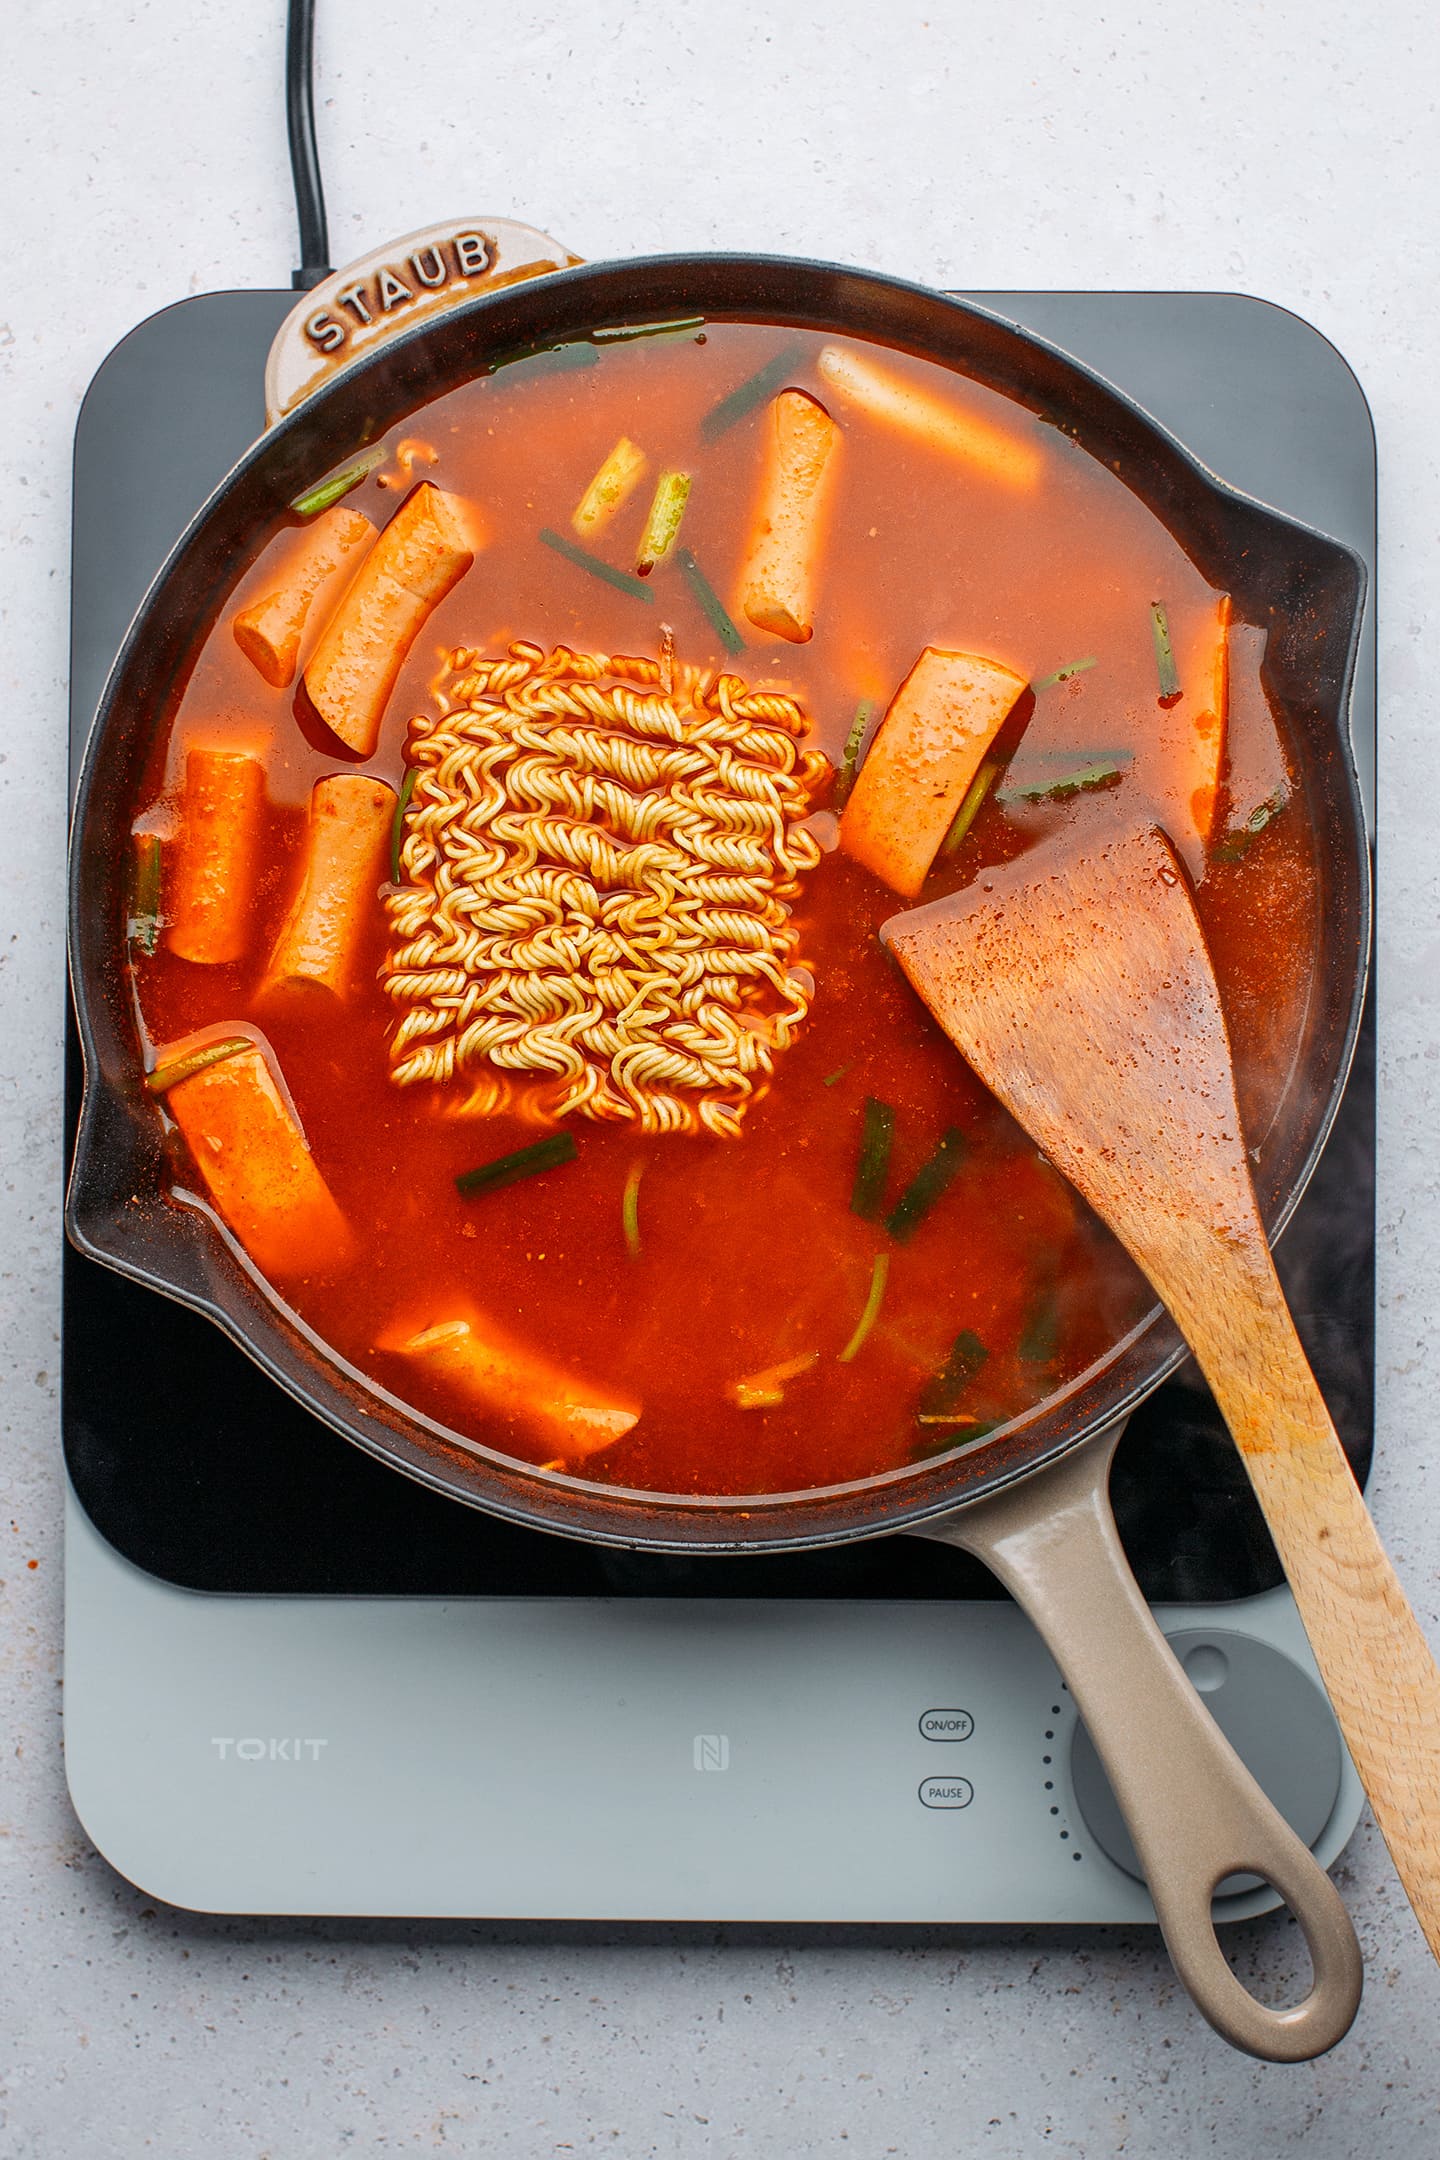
(712, 1751)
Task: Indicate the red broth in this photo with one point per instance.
(749, 1253)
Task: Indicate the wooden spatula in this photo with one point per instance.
(1082, 993)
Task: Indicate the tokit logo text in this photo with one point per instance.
(251, 1747)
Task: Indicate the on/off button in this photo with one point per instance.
(947, 1725)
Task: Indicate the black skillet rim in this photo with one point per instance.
(418, 364)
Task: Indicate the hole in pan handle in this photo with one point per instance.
(394, 287)
(1195, 1813)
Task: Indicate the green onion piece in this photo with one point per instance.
(584, 560)
(1237, 842)
(974, 1429)
(878, 1277)
(1102, 774)
(525, 1162)
(662, 520)
(1040, 1336)
(1263, 812)
(877, 1136)
(969, 810)
(164, 1077)
(1063, 674)
(1164, 651)
(397, 823)
(927, 1186)
(625, 333)
(143, 928)
(850, 761)
(747, 395)
(612, 485)
(1120, 753)
(630, 1209)
(943, 1390)
(710, 601)
(551, 359)
(330, 491)
(838, 1074)
(766, 1390)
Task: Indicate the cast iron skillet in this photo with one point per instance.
(1031, 1499)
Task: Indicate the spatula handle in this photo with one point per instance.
(1193, 1810)
(1377, 1666)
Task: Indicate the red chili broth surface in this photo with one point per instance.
(749, 1253)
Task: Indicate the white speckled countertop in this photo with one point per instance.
(1290, 150)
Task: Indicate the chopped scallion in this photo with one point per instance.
(838, 1074)
(662, 521)
(615, 481)
(397, 823)
(879, 1275)
(1040, 1336)
(709, 600)
(850, 759)
(1164, 651)
(877, 1137)
(626, 333)
(525, 1162)
(950, 1433)
(584, 560)
(1118, 751)
(969, 810)
(330, 491)
(941, 1394)
(747, 395)
(630, 1209)
(926, 1187)
(1240, 838)
(549, 359)
(1101, 774)
(1063, 674)
(174, 1070)
(143, 928)
(1263, 812)
(766, 1390)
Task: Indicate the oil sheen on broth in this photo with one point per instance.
(870, 1264)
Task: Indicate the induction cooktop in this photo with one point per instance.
(298, 1682)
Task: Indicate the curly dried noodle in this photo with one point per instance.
(596, 863)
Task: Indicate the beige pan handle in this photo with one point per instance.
(1193, 1810)
(394, 287)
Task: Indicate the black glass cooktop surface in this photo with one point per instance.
(197, 1468)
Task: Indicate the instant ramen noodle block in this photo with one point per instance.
(594, 911)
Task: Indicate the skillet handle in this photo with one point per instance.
(407, 281)
(1193, 1810)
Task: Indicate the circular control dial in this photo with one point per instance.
(1274, 1716)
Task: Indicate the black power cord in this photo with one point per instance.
(304, 157)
